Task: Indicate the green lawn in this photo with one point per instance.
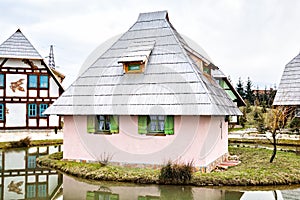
(254, 169)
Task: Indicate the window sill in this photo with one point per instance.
(155, 134)
(102, 133)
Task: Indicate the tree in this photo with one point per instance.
(276, 120)
(240, 88)
(249, 92)
(243, 118)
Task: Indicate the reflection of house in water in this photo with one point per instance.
(142, 192)
(21, 178)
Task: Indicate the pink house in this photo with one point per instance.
(147, 99)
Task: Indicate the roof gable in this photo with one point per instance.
(18, 46)
(172, 83)
(288, 92)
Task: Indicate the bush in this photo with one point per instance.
(26, 142)
(176, 173)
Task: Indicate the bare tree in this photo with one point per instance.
(276, 121)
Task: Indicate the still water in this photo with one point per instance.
(21, 178)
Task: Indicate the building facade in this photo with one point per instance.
(27, 86)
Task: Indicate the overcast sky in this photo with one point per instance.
(245, 38)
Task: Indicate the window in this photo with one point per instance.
(43, 107)
(2, 110)
(32, 110)
(30, 193)
(32, 81)
(133, 67)
(101, 195)
(42, 190)
(102, 124)
(31, 162)
(43, 81)
(156, 124)
(1, 80)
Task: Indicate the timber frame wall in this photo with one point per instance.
(28, 69)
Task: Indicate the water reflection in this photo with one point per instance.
(21, 178)
(76, 189)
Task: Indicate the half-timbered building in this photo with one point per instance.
(27, 86)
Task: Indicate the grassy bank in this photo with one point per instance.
(283, 142)
(255, 169)
(33, 143)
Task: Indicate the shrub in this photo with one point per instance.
(104, 159)
(176, 173)
(25, 142)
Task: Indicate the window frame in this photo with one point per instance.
(42, 108)
(32, 109)
(128, 65)
(31, 162)
(42, 190)
(31, 190)
(157, 122)
(44, 81)
(134, 67)
(2, 80)
(112, 122)
(106, 123)
(31, 83)
(144, 125)
(2, 112)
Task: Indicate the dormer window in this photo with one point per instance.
(136, 56)
(134, 67)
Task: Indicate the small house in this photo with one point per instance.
(148, 99)
(27, 86)
(288, 93)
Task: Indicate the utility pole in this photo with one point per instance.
(51, 58)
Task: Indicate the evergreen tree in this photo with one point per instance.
(240, 88)
(249, 92)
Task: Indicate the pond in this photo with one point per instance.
(21, 178)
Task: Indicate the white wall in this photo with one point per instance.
(14, 160)
(17, 115)
(14, 78)
(53, 120)
(54, 89)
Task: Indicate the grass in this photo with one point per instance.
(285, 142)
(7, 145)
(254, 170)
(96, 171)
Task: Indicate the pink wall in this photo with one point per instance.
(196, 138)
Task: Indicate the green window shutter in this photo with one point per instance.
(114, 197)
(169, 125)
(90, 195)
(142, 122)
(91, 123)
(114, 124)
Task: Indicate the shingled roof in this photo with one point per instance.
(18, 46)
(288, 92)
(172, 84)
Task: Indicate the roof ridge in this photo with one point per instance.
(156, 15)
